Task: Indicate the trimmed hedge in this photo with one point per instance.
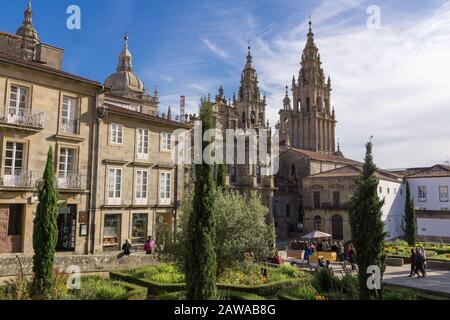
(134, 292)
(159, 288)
(153, 287)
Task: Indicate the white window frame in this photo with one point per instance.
(21, 91)
(14, 158)
(69, 112)
(166, 141)
(143, 143)
(141, 191)
(443, 195)
(116, 133)
(165, 191)
(64, 152)
(114, 194)
(422, 193)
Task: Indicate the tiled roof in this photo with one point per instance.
(324, 157)
(143, 116)
(438, 170)
(355, 171)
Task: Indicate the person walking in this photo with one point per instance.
(351, 255)
(420, 264)
(413, 260)
(149, 246)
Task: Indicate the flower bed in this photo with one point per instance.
(92, 288)
(250, 279)
(438, 252)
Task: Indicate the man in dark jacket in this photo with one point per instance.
(126, 248)
(413, 259)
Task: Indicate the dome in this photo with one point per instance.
(124, 80)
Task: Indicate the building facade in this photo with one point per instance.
(137, 182)
(42, 107)
(430, 190)
(247, 113)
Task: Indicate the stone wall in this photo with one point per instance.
(9, 265)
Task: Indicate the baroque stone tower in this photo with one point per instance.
(247, 111)
(308, 122)
(29, 35)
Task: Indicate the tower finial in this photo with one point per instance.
(125, 38)
(310, 24)
(287, 88)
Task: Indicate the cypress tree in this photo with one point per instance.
(409, 221)
(366, 224)
(221, 176)
(200, 261)
(45, 231)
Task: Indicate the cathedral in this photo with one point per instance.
(308, 142)
(247, 111)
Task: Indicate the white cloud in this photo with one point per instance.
(391, 83)
(215, 49)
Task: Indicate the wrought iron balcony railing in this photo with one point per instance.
(17, 179)
(69, 181)
(23, 117)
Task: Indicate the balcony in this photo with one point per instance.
(70, 182)
(17, 179)
(22, 118)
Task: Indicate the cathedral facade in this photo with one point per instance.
(247, 112)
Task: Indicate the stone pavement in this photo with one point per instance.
(436, 280)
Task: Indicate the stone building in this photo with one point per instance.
(137, 183)
(113, 150)
(327, 197)
(41, 107)
(247, 112)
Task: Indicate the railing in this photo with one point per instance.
(17, 179)
(328, 206)
(69, 181)
(23, 117)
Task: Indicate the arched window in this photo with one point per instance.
(288, 211)
(299, 103)
(337, 227)
(317, 223)
(243, 117)
(308, 104)
(253, 116)
(319, 103)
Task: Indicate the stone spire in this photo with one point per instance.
(249, 89)
(125, 58)
(248, 65)
(30, 38)
(287, 100)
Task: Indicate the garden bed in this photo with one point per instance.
(253, 280)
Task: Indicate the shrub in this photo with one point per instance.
(164, 273)
(178, 295)
(349, 286)
(238, 295)
(399, 294)
(96, 288)
(325, 281)
(306, 292)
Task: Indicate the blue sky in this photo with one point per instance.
(391, 83)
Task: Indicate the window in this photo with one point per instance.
(18, 97)
(114, 185)
(288, 211)
(293, 170)
(336, 199)
(258, 173)
(66, 162)
(143, 144)
(422, 192)
(380, 190)
(69, 115)
(166, 141)
(164, 187)
(141, 186)
(443, 194)
(116, 133)
(111, 230)
(14, 158)
(233, 174)
(388, 191)
(139, 228)
(317, 223)
(15, 220)
(317, 200)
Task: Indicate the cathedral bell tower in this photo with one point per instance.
(310, 121)
(250, 107)
(29, 35)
